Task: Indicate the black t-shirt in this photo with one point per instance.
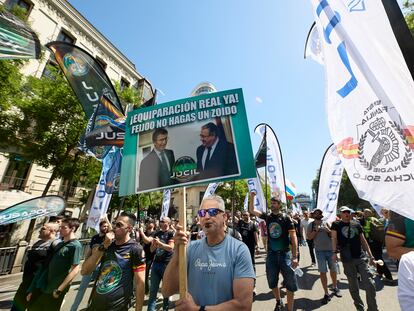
(36, 256)
(96, 240)
(351, 237)
(149, 256)
(162, 255)
(115, 282)
(247, 231)
(278, 228)
(194, 232)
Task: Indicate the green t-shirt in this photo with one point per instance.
(59, 266)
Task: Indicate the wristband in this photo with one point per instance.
(57, 292)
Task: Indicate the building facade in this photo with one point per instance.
(58, 20)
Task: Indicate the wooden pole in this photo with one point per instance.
(182, 254)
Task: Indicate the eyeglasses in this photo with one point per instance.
(211, 212)
(347, 212)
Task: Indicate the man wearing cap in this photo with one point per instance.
(348, 240)
(319, 232)
(219, 269)
(280, 258)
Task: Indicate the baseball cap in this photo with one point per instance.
(345, 209)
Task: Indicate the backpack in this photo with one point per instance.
(377, 230)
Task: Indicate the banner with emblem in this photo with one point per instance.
(255, 186)
(196, 140)
(369, 100)
(89, 82)
(330, 176)
(166, 199)
(50, 205)
(17, 39)
(274, 162)
(211, 189)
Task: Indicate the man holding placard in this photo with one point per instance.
(217, 262)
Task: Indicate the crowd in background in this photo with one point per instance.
(126, 259)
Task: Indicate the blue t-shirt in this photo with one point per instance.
(212, 269)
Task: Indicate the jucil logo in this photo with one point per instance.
(75, 64)
(184, 169)
(384, 147)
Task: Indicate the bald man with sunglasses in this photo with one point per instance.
(219, 268)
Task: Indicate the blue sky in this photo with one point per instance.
(255, 45)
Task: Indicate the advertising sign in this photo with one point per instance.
(50, 205)
(189, 141)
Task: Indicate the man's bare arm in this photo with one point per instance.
(139, 289)
(251, 207)
(68, 279)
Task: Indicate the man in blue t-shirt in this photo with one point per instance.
(219, 268)
(281, 233)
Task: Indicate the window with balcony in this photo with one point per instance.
(65, 37)
(124, 84)
(24, 6)
(101, 62)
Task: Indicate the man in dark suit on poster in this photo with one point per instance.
(155, 169)
(216, 156)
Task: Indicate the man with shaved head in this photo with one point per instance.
(35, 257)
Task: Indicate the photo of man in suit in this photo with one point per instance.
(216, 156)
(155, 169)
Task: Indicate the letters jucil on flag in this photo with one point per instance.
(369, 101)
(89, 82)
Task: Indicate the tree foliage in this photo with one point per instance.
(409, 14)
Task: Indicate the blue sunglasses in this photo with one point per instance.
(211, 212)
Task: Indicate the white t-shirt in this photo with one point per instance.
(304, 224)
(406, 282)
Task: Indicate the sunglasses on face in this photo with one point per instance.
(119, 225)
(211, 212)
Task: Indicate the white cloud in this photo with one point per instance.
(259, 100)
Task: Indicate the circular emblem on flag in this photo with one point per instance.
(75, 64)
(111, 274)
(184, 169)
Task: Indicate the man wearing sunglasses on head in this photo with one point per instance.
(280, 259)
(122, 263)
(348, 240)
(219, 269)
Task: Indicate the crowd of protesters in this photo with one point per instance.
(125, 261)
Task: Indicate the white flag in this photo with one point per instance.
(100, 203)
(246, 202)
(313, 46)
(259, 200)
(165, 203)
(330, 175)
(274, 164)
(370, 103)
(211, 189)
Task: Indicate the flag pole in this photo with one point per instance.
(265, 139)
(182, 254)
(232, 206)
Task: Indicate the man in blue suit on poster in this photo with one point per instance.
(155, 169)
(216, 156)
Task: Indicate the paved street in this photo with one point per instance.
(307, 298)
